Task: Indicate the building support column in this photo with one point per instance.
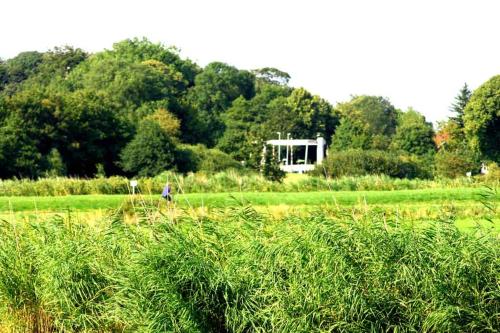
(305, 159)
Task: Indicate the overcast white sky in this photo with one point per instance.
(416, 53)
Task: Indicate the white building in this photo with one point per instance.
(291, 163)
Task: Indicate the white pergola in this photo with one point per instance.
(287, 163)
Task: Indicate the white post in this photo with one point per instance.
(320, 149)
(279, 147)
(263, 160)
(287, 148)
(133, 184)
(305, 159)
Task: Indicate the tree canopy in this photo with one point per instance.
(140, 108)
(482, 119)
(366, 122)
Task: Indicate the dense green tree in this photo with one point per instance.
(55, 164)
(22, 66)
(129, 84)
(3, 75)
(244, 122)
(19, 155)
(456, 163)
(216, 87)
(271, 168)
(138, 50)
(303, 115)
(150, 152)
(89, 132)
(482, 119)
(274, 109)
(459, 104)
(270, 75)
(367, 122)
(413, 134)
(57, 63)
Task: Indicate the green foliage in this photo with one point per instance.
(55, 164)
(301, 114)
(200, 158)
(271, 168)
(459, 105)
(372, 162)
(4, 76)
(456, 163)
(274, 109)
(87, 107)
(216, 87)
(270, 75)
(19, 156)
(482, 119)
(21, 67)
(367, 122)
(230, 181)
(413, 134)
(244, 124)
(331, 270)
(150, 152)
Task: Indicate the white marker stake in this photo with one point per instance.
(133, 183)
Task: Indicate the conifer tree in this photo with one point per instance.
(458, 106)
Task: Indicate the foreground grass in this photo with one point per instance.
(220, 200)
(244, 271)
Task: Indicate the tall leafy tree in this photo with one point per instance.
(23, 65)
(482, 119)
(3, 75)
(213, 93)
(90, 132)
(138, 50)
(271, 75)
(367, 122)
(244, 122)
(150, 152)
(414, 134)
(19, 154)
(58, 63)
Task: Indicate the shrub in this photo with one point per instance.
(271, 168)
(200, 158)
(150, 152)
(493, 175)
(453, 164)
(371, 162)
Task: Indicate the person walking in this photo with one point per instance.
(167, 193)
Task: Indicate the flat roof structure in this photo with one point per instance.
(287, 163)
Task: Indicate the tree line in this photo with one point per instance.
(139, 108)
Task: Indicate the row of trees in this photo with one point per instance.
(140, 108)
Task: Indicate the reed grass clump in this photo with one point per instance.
(242, 271)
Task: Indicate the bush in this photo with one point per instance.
(493, 175)
(200, 158)
(150, 152)
(271, 168)
(372, 162)
(453, 164)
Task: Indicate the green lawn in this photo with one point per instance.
(220, 200)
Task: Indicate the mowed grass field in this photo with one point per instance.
(466, 204)
(221, 200)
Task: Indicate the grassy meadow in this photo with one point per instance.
(301, 261)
